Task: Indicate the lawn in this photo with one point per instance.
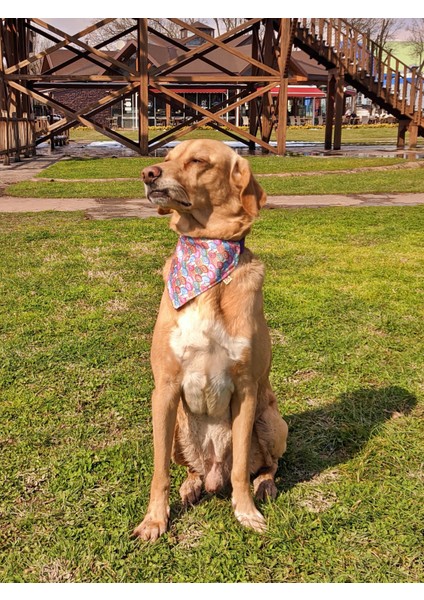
(360, 134)
(120, 177)
(344, 303)
(112, 168)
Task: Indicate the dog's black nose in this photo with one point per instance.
(149, 174)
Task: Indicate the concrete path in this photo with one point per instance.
(26, 169)
(109, 208)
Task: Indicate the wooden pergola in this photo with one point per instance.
(264, 68)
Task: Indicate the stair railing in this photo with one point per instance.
(365, 60)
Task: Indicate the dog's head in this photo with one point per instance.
(209, 188)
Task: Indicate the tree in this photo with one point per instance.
(224, 24)
(164, 26)
(39, 44)
(381, 31)
(416, 39)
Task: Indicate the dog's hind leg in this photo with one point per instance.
(269, 440)
(264, 485)
(191, 489)
(184, 453)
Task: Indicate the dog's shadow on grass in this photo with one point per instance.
(324, 437)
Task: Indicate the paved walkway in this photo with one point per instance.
(108, 208)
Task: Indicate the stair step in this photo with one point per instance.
(376, 89)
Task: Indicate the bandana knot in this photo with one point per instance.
(198, 264)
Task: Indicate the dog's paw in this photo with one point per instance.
(191, 490)
(252, 520)
(150, 529)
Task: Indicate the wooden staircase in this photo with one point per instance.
(367, 66)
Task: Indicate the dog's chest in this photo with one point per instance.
(206, 352)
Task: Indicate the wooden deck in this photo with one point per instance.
(349, 56)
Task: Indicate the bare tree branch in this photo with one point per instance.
(381, 31)
(416, 39)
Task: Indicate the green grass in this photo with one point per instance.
(344, 303)
(388, 182)
(362, 134)
(110, 170)
(93, 168)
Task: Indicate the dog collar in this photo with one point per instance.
(198, 264)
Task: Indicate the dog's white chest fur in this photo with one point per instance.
(206, 353)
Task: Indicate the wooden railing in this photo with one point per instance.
(17, 136)
(388, 81)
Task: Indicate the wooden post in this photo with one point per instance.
(253, 109)
(338, 117)
(3, 102)
(267, 105)
(282, 117)
(167, 114)
(143, 99)
(283, 60)
(402, 129)
(413, 135)
(331, 92)
(15, 126)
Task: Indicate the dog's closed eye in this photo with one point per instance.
(198, 161)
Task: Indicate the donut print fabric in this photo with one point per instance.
(198, 264)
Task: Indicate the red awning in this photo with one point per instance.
(301, 91)
(195, 90)
(294, 91)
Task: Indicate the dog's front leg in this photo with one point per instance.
(243, 407)
(165, 400)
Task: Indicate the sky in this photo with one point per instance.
(188, 8)
(73, 25)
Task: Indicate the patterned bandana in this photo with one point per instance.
(198, 264)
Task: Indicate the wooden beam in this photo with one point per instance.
(53, 78)
(267, 115)
(331, 93)
(100, 104)
(282, 117)
(286, 39)
(220, 44)
(4, 98)
(177, 79)
(64, 124)
(57, 46)
(85, 54)
(242, 99)
(143, 94)
(401, 132)
(90, 49)
(212, 116)
(253, 108)
(413, 135)
(338, 112)
(78, 54)
(234, 80)
(189, 124)
(207, 47)
(84, 120)
(184, 48)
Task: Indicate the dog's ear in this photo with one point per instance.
(252, 196)
(164, 211)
